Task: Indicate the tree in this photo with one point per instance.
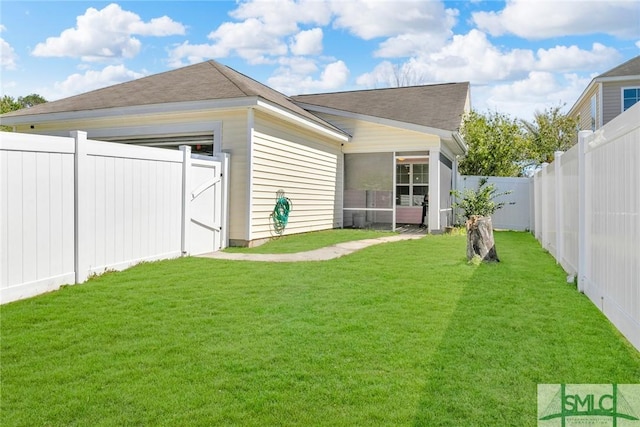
(30, 100)
(496, 145)
(8, 104)
(549, 132)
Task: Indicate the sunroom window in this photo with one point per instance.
(412, 184)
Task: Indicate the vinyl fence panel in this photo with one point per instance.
(71, 207)
(37, 211)
(515, 215)
(148, 182)
(598, 220)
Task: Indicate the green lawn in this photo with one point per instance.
(402, 333)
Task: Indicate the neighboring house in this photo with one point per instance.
(363, 158)
(608, 95)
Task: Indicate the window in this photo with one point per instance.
(630, 95)
(412, 183)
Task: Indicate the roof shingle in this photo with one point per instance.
(439, 106)
(204, 81)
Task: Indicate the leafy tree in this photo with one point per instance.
(549, 132)
(496, 145)
(8, 104)
(30, 100)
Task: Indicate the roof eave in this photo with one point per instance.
(173, 107)
(328, 130)
(186, 106)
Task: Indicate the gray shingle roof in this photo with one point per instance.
(208, 80)
(439, 106)
(629, 68)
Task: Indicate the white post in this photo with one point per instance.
(454, 187)
(224, 238)
(81, 208)
(582, 209)
(185, 236)
(434, 189)
(557, 164)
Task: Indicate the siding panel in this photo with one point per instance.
(308, 169)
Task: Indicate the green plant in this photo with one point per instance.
(480, 202)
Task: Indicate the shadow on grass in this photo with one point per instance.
(518, 324)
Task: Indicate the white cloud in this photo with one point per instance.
(282, 16)
(297, 79)
(369, 19)
(106, 34)
(307, 42)
(537, 92)
(91, 80)
(566, 58)
(8, 56)
(472, 57)
(250, 39)
(186, 53)
(545, 19)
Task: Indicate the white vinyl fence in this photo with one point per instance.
(587, 214)
(516, 213)
(72, 207)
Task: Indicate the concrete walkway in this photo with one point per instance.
(322, 254)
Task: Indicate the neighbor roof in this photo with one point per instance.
(438, 106)
(204, 81)
(629, 68)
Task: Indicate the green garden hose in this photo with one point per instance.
(280, 214)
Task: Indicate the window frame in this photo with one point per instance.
(622, 89)
(411, 184)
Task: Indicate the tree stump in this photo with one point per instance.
(480, 240)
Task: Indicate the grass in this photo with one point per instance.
(402, 333)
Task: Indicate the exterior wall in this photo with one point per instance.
(612, 98)
(370, 137)
(306, 166)
(583, 110)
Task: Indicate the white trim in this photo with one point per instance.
(618, 78)
(170, 107)
(250, 136)
(600, 104)
(622, 89)
(267, 106)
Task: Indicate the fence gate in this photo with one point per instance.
(207, 210)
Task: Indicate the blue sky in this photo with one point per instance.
(520, 56)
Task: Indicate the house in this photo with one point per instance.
(608, 95)
(361, 158)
